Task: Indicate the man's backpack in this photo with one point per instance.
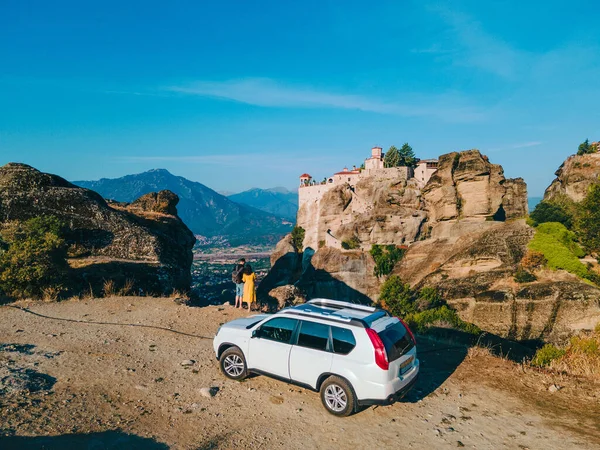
(237, 274)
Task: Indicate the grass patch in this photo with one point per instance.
(581, 356)
(351, 244)
(440, 317)
(557, 244)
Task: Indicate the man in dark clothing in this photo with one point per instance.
(236, 277)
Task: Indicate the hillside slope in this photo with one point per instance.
(277, 201)
(203, 210)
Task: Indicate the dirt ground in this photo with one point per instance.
(67, 384)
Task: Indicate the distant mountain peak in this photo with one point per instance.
(203, 210)
(159, 171)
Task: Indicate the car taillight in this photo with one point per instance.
(380, 354)
(410, 333)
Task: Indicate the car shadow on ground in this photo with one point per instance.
(100, 441)
(441, 351)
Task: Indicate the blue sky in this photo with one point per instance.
(240, 94)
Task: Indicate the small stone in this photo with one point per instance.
(209, 392)
(188, 362)
(459, 444)
(554, 388)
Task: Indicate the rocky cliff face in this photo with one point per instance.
(474, 269)
(466, 237)
(467, 185)
(144, 242)
(575, 176)
(375, 211)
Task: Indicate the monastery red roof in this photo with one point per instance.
(348, 172)
(305, 175)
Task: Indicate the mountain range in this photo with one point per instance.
(278, 201)
(204, 211)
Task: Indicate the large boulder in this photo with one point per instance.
(467, 185)
(287, 295)
(375, 211)
(575, 176)
(143, 244)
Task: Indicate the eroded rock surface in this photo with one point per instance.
(467, 185)
(375, 211)
(144, 242)
(575, 176)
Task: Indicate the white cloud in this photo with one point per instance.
(474, 47)
(270, 93)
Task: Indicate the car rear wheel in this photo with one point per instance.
(233, 364)
(337, 396)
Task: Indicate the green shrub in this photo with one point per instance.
(298, 238)
(523, 276)
(351, 244)
(385, 257)
(547, 211)
(421, 310)
(545, 355)
(558, 246)
(587, 224)
(397, 297)
(34, 258)
(585, 147)
(442, 317)
(428, 298)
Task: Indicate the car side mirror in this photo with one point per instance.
(255, 333)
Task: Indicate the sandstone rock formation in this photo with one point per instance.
(375, 211)
(143, 242)
(575, 176)
(466, 236)
(467, 185)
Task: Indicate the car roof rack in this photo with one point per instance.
(337, 304)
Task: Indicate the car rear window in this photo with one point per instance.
(396, 341)
(343, 340)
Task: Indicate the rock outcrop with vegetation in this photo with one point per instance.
(206, 212)
(143, 245)
(467, 239)
(574, 177)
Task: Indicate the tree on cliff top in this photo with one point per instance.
(407, 156)
(587, 224)
(391, 158)
(585, 148)
(34, 258)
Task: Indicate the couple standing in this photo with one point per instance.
(244, 279)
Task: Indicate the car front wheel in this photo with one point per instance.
(337, 396)
(233, 364)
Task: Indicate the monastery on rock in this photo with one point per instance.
(373, 168)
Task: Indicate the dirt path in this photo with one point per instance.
(106, 386)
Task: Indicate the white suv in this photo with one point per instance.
(354, 355)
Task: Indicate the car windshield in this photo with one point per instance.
(396, 341)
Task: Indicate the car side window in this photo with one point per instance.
(343, 340)
(280, 329)
(313, 335)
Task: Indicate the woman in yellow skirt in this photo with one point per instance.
(249, 279)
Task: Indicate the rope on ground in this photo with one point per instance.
(109, 323)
